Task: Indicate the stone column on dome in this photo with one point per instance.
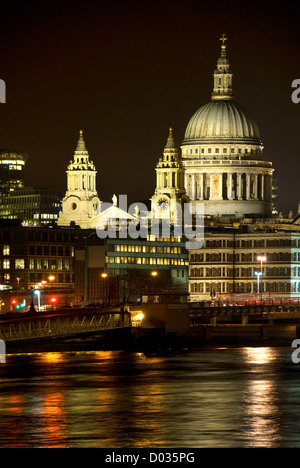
(211, 194)
(193, 188)
(221, 186)
(262, 187)
(239, 186)
(247, 186)
(201, 187)
(229, 186)
(255, 186)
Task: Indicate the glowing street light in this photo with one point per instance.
(261, 259)
(38, 293)
(258, 274)
(154, 275)
(105, 276)
(51, 279)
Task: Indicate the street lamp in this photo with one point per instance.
(154, 275)
(38, 293)
(51, 278)
(105, 276)
(261, 259)
(258, 274)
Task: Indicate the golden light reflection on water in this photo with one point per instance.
(261, 397)
(259, 355)
(51, 357)
(53, 419)
(224, 397)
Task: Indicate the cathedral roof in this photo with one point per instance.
(222, 120)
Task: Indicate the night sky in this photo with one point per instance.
(124, 71)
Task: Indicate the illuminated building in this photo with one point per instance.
(32, 206)
(222, 154)
(30, 256)
(227, 266)
(170, 191)
(128, 263)
(12, 169)
(81, 200)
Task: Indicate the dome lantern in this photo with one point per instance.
(222, 76)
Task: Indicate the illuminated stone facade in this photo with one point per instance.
(170, 192)
(228, 266)
(222, 155)
(81, 200)
(220, 166)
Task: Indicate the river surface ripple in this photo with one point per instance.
(225, 397)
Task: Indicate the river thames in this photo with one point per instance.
(224, 397)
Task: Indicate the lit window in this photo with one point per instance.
(20, 263)
(6, 264)
(6, 250)
(6, 278)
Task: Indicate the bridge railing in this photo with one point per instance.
(60, 327)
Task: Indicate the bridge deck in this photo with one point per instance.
(42, 327)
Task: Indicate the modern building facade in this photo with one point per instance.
(123, 269)
(12, 170)
(37, 257)
(32, 206)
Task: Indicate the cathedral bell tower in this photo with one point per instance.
(170, 191)
(81, 200)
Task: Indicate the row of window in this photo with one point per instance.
(146, 261)
(224, 150)
(249, 243)
(36, 264)
(247, 288)
(46, 235)
(63, 278)
(12, 162)
(147, 249)
(53, 250)
(226, 272)
(246, 257)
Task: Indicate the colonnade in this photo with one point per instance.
(229, 186)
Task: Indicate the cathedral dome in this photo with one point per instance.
(222, 120)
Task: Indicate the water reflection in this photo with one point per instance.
(210, 398)
(262, 398)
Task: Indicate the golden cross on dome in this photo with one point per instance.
(223, 46)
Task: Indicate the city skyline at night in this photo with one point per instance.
(149, 227)
(126, 73)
